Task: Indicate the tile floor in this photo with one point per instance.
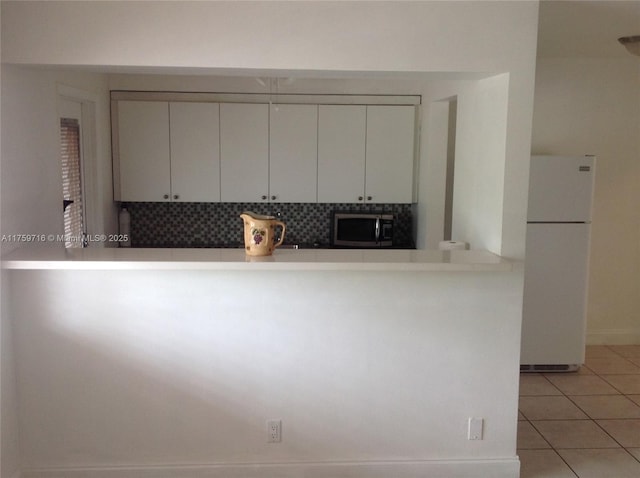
(584, 424)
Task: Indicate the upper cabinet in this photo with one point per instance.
(341, 153)
(244, 152)
(206, 151)
(195, 152)
(167, 151)
(268, 154)
(293, 153)
(366, 154)
(390, 154)
(143, 157)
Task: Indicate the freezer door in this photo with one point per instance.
(555, 293)
(561, 189)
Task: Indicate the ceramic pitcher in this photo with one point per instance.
(259, 233)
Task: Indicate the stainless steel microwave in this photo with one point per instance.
(362, 229)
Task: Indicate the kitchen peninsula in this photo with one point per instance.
(138, 372)
(189, 352)
(236, 259)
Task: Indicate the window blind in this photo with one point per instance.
(71, 181)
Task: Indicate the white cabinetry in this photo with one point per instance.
(293, 153)
(143, 151)
(168, 151)
(341, 153)
(195, 152)
(247, 152)
(244, 152)
(366, 154)
(390, 154)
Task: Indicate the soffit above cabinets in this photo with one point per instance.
(346, 99)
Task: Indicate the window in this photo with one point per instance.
(70, 156)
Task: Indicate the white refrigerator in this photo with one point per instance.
(557, 263)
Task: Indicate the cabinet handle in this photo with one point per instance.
(369, 198)
(360, 198)
(264, 197)
(273, 198)
(176, 196)
(166, 196)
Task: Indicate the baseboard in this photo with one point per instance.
(495, 468)
(613, 337)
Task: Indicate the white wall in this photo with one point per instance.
(144, 368)
(592, 106)
(478, 194)
(483, 197)
(429, 214)
(9, 431)
(31, 175)
(338, 36)
(31, 192)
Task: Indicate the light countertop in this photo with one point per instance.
(50, 258)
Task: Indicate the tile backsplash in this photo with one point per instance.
(179, 224)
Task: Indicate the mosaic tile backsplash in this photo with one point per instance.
(159, 224)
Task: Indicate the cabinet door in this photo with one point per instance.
(143, 151)
(195, 152)
(293, 153)
(341, 153)
(390, 154)
(244, 152)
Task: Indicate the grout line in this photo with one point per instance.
(632, 455)
(609, 434)
(569, 397)
(566, 463)
(540, 433)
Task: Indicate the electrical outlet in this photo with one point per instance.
(475, 428)
(274, 431)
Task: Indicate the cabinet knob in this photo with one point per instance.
(166, 196)
(360, 198)
(264, 197)
(176, 196)
(273, 198)
(369, 198)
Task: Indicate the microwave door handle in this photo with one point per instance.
(377, 229)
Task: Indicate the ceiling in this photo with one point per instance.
(585, 28)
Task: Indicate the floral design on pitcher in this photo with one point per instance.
(258, 235)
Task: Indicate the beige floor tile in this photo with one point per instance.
(574, 434)
(550, 408)
(635, 452)
(613, 463)
(627, 384)
(634, 360)
(612, 365)
(607, 406)
(543, 464)
(529, 438)
(535, 384)
(583, 384)
(626, 350)
(599, 351)
(635, 398)
(584, 370)
(625, 432)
